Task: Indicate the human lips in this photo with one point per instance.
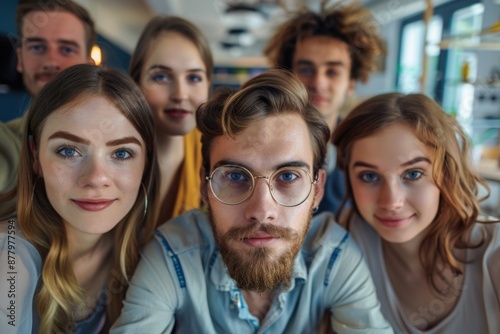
(93, 204)
(260, 239)
(317, 99)
(45, 76)
(394, 222)
(177, 113)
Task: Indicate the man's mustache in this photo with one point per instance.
(240, 233)
(45, 74)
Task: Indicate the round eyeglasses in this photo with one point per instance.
(232, 185)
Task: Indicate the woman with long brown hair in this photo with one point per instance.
(415, 212)
(87, 194)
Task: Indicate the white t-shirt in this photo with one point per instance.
(478, 307)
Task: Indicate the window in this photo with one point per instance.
(460, 16)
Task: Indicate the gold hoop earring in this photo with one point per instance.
(145, 199)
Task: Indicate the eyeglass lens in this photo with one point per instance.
(289, 186)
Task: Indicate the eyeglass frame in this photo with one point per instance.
(209, 178)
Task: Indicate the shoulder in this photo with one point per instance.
(13, 240)
(363, 233)
(18, 255)
(11, 227)
(16, 125)
(324, 232)
(490, 257)
(187, 232)
(193, 137)
(493, 230)
(178, 252)
(11, 132)
(10, 151)
(21, 265)
(490, 232)
(192, 147)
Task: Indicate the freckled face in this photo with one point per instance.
(391, 177)
(92, 160)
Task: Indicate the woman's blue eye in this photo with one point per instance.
(195, 78)
(413, 175)
(67, 152)
(122, 155)
(160, 77)
(368, 177)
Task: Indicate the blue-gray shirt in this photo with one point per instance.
(20, 275)
(181, 285)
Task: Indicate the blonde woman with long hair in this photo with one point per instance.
(172, 64)
(87, 201)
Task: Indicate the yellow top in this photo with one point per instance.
(188, 194)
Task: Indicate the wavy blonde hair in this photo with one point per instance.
(59, 295)
(452, 170)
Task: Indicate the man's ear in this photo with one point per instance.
(36, 161)
(19, 66)
(203, 186)
(319, 187)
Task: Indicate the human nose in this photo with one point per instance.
(95, 173)
(391, 195)
(51, 61)
(261, 207)
(318, 81)
(179, 91)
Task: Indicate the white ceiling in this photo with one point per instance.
(122, 21)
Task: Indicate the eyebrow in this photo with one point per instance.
(76, 139)
(166, 68)
(404, 164)
(293, 163)
(328, 63)
(416, 160)
(43, 40)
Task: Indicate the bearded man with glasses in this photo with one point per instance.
(254, 261)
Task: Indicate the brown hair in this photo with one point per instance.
(161, 24)
(69, 6)
(452, 170)
(59, 294)
(350, 24)
(270, 93)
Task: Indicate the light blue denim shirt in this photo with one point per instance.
(21, 262)
(181, 285)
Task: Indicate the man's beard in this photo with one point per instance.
(259, 269)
